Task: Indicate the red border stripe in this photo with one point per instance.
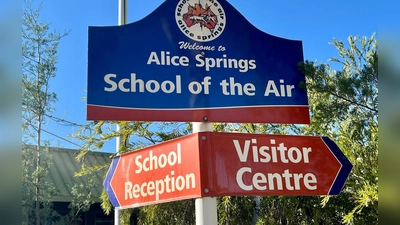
(275, 114)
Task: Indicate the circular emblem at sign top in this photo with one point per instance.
(200, 20)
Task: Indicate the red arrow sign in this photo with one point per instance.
(259, 164)
(227, 164)
(165, 172)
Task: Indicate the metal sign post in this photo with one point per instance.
(122, 19)
(117, 212)
(206, 207)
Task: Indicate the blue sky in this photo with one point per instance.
(314, 22)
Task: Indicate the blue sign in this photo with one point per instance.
(194, 60)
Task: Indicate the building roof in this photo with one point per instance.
(63, 169)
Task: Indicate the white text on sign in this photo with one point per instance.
(170, 183)
(231, 87)
(165, 59)
(273, 153)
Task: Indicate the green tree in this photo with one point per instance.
(343, 106)
(82, 199)
(81, 193)
(35, 188)
(39, 59)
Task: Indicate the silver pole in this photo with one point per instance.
(206, 208)
(122, 19)
(122, 12)
(117, 212)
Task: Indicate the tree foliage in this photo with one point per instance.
(81, 194)
(343, 106)
(39, 56)
(39, 59)
(30, 183)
